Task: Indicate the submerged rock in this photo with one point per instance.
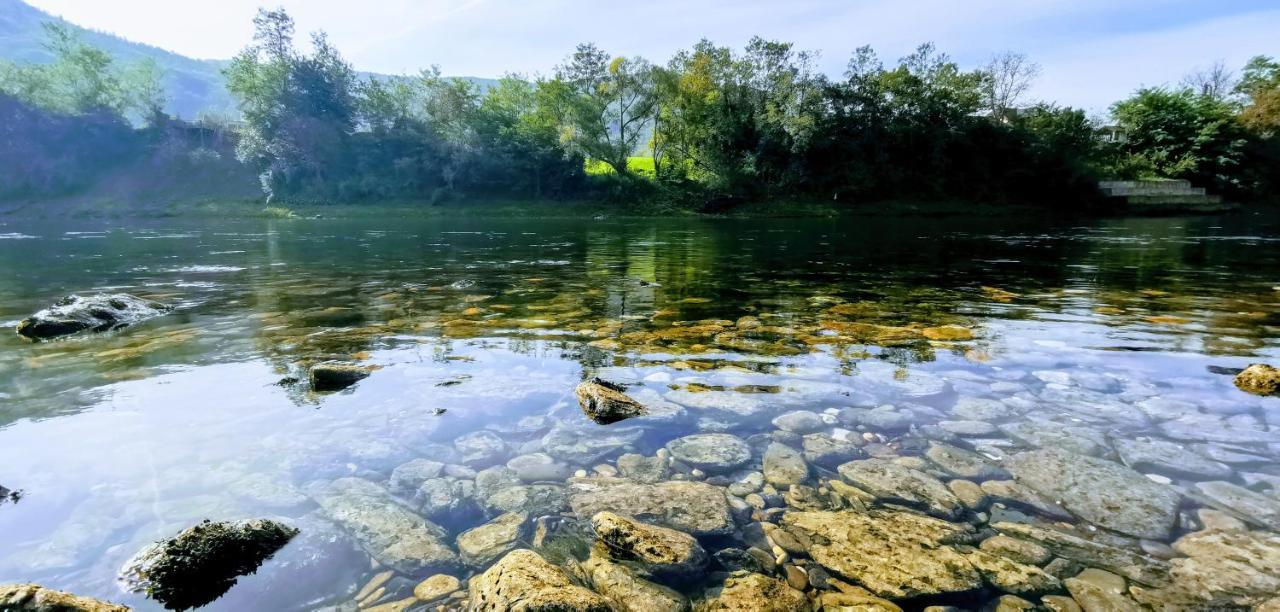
(1168, 458)
(480, 546)
(1246, 505)
(1221, 570)
(784, 466)
(826, 451)
(35, 598)
(892, 483)
(661, 550)
(893, 554)
(1138, 567)
(693, 507)
(589, 444)
(605, 402)
(629, 591)
(202, 562)
(336, 376)
(714, 452)
(101, 312)
(1104, 493)
(523, 581)
(388, 531)
(758, 593)
(1259, 379)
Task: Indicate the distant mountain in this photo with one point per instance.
(193, 85)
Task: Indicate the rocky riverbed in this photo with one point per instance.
(544, 438)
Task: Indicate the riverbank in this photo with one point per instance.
(114, 207)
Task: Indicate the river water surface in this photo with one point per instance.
(1104, 330)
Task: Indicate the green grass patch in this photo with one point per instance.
(639, 166)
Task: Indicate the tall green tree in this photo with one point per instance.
(609, 103)
(1182, 134)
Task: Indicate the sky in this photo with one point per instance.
(1091, 52)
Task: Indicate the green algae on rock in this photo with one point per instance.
(199, 564)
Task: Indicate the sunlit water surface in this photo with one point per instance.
(123, 438)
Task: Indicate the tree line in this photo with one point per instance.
(711, 127)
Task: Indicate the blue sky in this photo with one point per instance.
(1091, 51)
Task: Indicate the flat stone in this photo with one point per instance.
(1138, 567)
(969, 494)
(1220, 570)
(1013, 577)
(826, 451)
(530, 500)
(481, 448)
(660, 549)
(740, 404)
(535, 467)
(745, 482)
(406, 478)
(963, 463)
(714, 452)
(1022, 497)
(482, 545)
(981, 409)
(799, 421)
(696, 508)
(892, 554)
(1169, 458)
(1022, 551)
(523, 580)
(388, 531)
(1099, 591)
(436, 587)
(586, 446)
(1043, 434)
(1104, 493)
(896, 484)
(968, 428)
(446, 499)
(643, 469)
(784, 466)
(629, 591)
(1247, 505)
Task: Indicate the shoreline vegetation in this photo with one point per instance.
(714, 132)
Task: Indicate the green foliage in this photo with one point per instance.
(1181, 134)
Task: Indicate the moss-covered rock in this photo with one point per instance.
(199, 564)
(604, 402)
(103, 312)
(1259, 379)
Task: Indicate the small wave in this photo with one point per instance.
(199, 269)
(16, 236)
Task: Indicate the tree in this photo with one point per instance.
(609, 103)
(1182, 134)
(1216, 82)
(299, 110)
(1008, 77)
(1260, 83)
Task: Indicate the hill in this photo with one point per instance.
(193, 86)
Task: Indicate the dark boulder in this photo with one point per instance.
(202, 562)
(336, 376)
(103, 312)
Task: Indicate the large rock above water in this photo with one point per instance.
(35, 598)
(660, 549)
(714, 452)
(523, 581)
(605, 402)
(693, 507)
(202, 562)
(388, 531)
(1104, 493)
(101, 312)
(893, 554)
(892, 483)
(1259, 379)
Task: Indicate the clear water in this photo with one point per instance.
(123, 438)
